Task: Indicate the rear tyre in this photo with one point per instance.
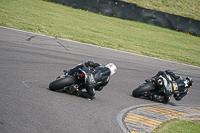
(61, 83)
(143, 88)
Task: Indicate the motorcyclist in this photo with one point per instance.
(180, 86)
(97, 77)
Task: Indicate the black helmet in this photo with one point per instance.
(173, 75)
(189, 80)
(168, 71)
(89, 63)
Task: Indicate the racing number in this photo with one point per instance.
(175, 86)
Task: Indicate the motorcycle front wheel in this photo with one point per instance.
(61, 83)
(143, 88)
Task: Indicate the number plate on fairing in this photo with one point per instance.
(175, 86)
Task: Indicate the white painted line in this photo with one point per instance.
(24, 82)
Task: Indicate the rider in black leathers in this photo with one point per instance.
(182, 89)
(97, 77)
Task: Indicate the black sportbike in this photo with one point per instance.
(161, 89)
(69, 83)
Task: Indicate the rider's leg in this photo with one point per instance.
(90, 94)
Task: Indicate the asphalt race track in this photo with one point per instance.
(29, 62)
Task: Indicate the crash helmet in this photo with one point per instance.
(112, 68)
(189, 80)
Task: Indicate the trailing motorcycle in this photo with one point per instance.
(162, 88)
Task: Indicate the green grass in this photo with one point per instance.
(64, 22)
(186, 8)
(178, 126)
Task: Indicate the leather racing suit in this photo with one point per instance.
(178, 93)
(97, 77)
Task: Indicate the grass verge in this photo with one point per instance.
(64, 22)
(178, 126)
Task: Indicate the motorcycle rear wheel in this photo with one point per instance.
(143, 88)
(61, 83)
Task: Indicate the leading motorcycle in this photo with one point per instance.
(69, 83)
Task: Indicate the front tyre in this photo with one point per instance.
(143, 88)
(61, 83)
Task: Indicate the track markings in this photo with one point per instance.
(195, 108)
(143, 120)
(165, 111)
(134, 132)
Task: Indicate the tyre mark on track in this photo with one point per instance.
(29, 39)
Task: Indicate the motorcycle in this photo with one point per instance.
(87, 77)
(160, 86)
(68, 83)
